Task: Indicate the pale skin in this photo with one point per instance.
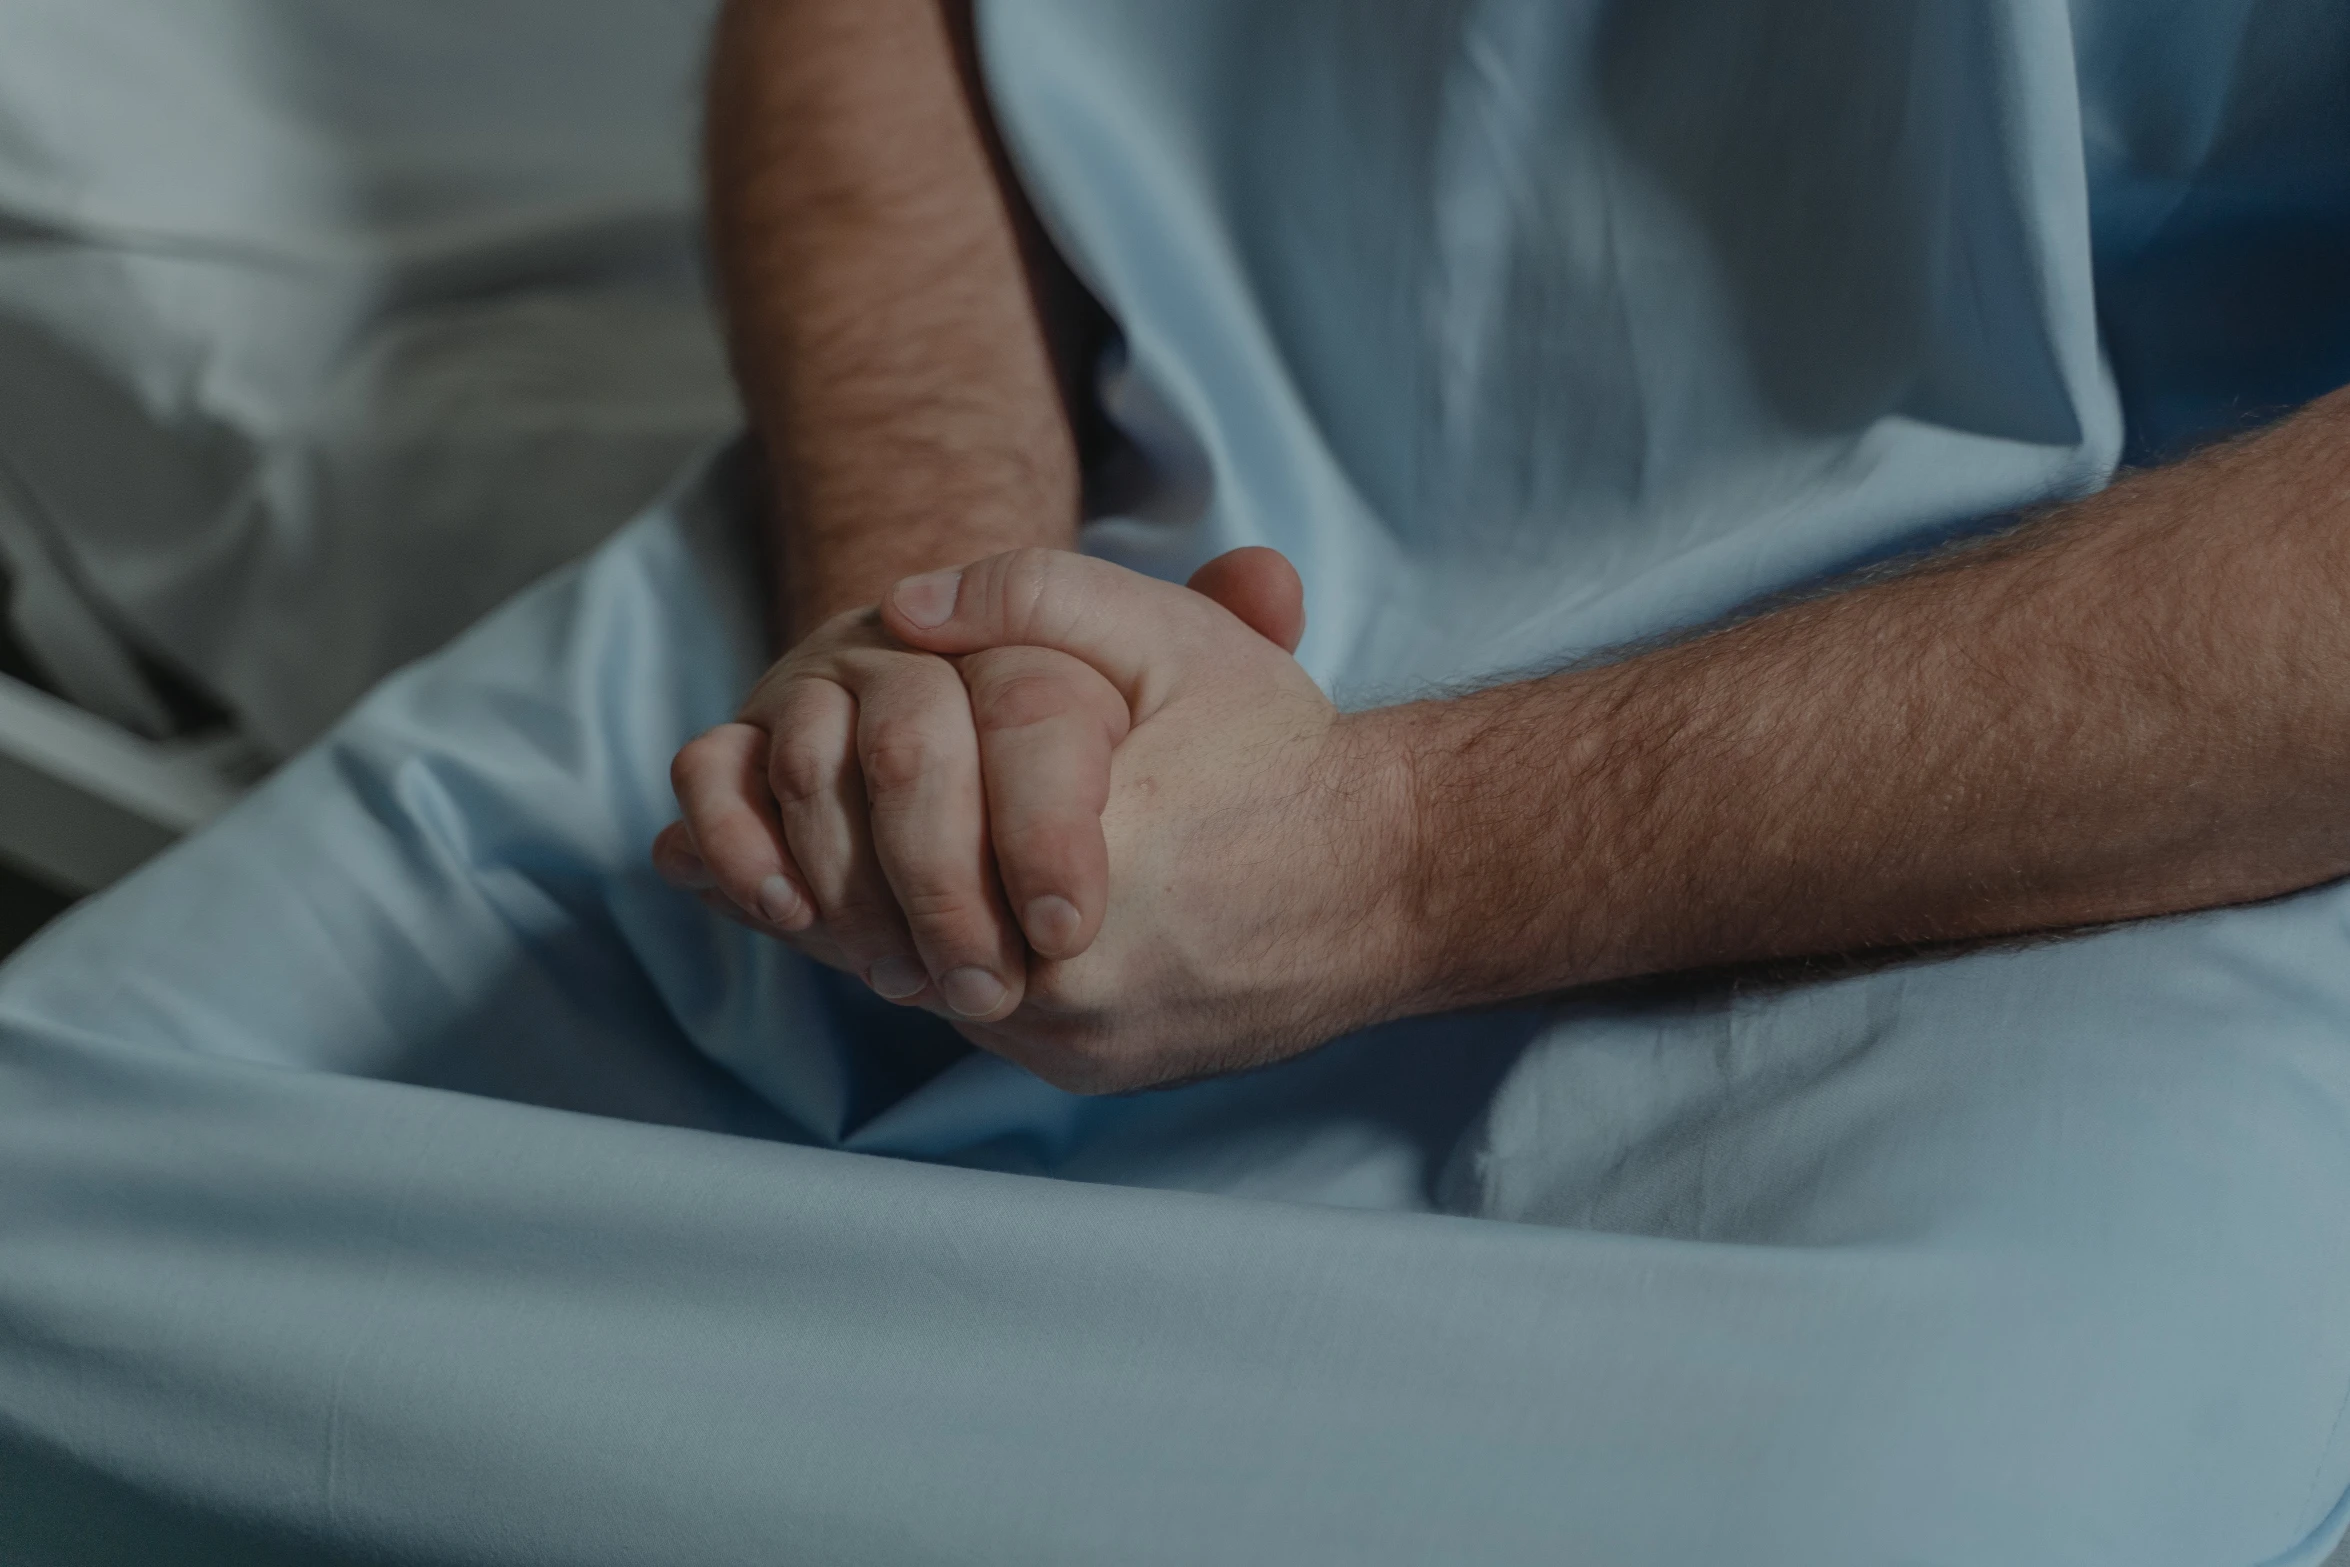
(2136, 705)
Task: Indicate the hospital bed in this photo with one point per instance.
(83, 801)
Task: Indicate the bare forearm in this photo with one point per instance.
(883, 328)
(2136, 706)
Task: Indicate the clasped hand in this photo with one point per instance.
(1106, 825)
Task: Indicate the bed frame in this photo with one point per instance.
(84, 801)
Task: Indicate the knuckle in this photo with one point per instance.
(690, 760)
(895, 754)
(797, 772)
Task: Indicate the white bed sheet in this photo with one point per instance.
(326, 325)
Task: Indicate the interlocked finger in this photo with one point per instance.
(1047, 724)
(719, 779)
(813, 775)
(919, 757)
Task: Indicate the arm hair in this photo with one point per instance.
(2135, 705)
(891, 308)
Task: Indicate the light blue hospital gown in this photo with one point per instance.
(398, 1172)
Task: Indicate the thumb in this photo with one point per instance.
(1139, 632)
(1260, 586)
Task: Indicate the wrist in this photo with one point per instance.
(1387, 933)
(1495, 887)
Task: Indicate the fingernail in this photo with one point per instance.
(684, 868)
(929, 599)
(974, 992)
(1051, 921)
(779, 901)
(894, 979)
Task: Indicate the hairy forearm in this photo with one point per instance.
(2137, 705)
(884, 329)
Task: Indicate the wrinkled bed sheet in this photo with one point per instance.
(397, 1171)
(326, 325)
